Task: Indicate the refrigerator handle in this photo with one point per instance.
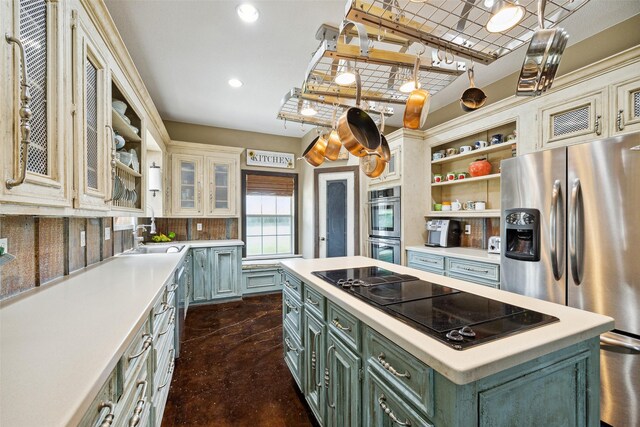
(573, 232)
(553, 235)
(626, 343)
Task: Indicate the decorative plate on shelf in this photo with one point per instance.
(135, 164)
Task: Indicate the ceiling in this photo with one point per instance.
(187, 50)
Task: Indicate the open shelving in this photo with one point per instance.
(127, 177)
(483, 188)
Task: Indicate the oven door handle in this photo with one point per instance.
(385, 241)
(383, 201)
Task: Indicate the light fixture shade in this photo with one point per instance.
(409, 86)
(504, 16)
(308, 109)
(345, 75)
(155, 178)
(248, 12)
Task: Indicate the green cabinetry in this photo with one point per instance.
(216, 273)
(482, 273)
(351, 375)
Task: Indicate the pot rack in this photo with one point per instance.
(437, 23)
(381, 71)
(325, 107)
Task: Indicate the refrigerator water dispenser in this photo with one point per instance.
(523, 234)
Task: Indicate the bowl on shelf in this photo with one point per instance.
(480, 167)
(124, 157)
(118, 140)
(119, 106)
(134, 129)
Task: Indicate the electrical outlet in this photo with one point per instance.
(5, 244)
(199, 226)
(107, 233)
(83, 239)
(467, 229)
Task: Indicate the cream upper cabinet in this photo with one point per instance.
(92, 139)
(221, 176)
(583, 118)
(204, 180)
(626, 101)
(187, 177)
(38, 174)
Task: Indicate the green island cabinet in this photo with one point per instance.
(351, 375)
(482, 273)
(216, 273)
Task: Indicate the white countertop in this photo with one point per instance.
(202, 243)
(471, 254)
(60, 342)
(474, 363)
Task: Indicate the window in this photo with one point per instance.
(269, 213)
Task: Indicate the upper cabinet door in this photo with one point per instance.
(37, 29)
(627, 106)
(90, 128)
(579, 120)
(187, 185)
(221, 173)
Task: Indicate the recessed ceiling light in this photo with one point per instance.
(235, 83)
(505, 15)
(247, 12)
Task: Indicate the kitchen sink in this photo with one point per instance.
(155, 249)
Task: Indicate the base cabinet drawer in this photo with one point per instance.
(293, 285)
(137, 352)
(258, 281)
(477, 270)
(292, 313)
(102, 409)
(134, 408)
(314, 302)
(409, 376)
(385, 407)
(293, 355)
(344, 325)
(426, 262)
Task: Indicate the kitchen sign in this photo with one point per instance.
(270, 159)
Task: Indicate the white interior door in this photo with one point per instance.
(336, 222)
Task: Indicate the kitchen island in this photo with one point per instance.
(358, 365)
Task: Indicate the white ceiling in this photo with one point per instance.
(187, 50)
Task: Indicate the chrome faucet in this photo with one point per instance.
(138, 240)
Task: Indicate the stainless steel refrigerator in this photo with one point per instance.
(571, 234)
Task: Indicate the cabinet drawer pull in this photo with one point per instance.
(312, 302)
(173, 288)
(165, 307)
(327, 377)
(290, 346)
(172, 320)
(382, 401)
(172, 365)
(597, 125)
(475, 270)
(290, 286)
(337, 324)
(146, 345)
(430, 261)
(291, 306)
(25, 115)
(108, 419)
(391, 369)
(620, 120)
(135, 418)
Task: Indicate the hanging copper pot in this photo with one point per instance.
(333, 141)
(315, 152)
(357, 130)
(417, 107)
(373, 164)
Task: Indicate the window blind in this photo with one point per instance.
(270, 185)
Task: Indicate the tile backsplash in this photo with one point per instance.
(48, 248)
(187, 228)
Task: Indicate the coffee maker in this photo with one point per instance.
(443, 233)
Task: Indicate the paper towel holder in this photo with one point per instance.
(154, 179)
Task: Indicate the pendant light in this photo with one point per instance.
(308, 109)
(345, 75)
(505, 15)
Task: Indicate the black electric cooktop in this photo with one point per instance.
(458, 319)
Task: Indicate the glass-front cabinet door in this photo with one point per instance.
(90, 127)
(221, 174)
(187, 184)
(31, 61)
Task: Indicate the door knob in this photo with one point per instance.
(322, 239)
